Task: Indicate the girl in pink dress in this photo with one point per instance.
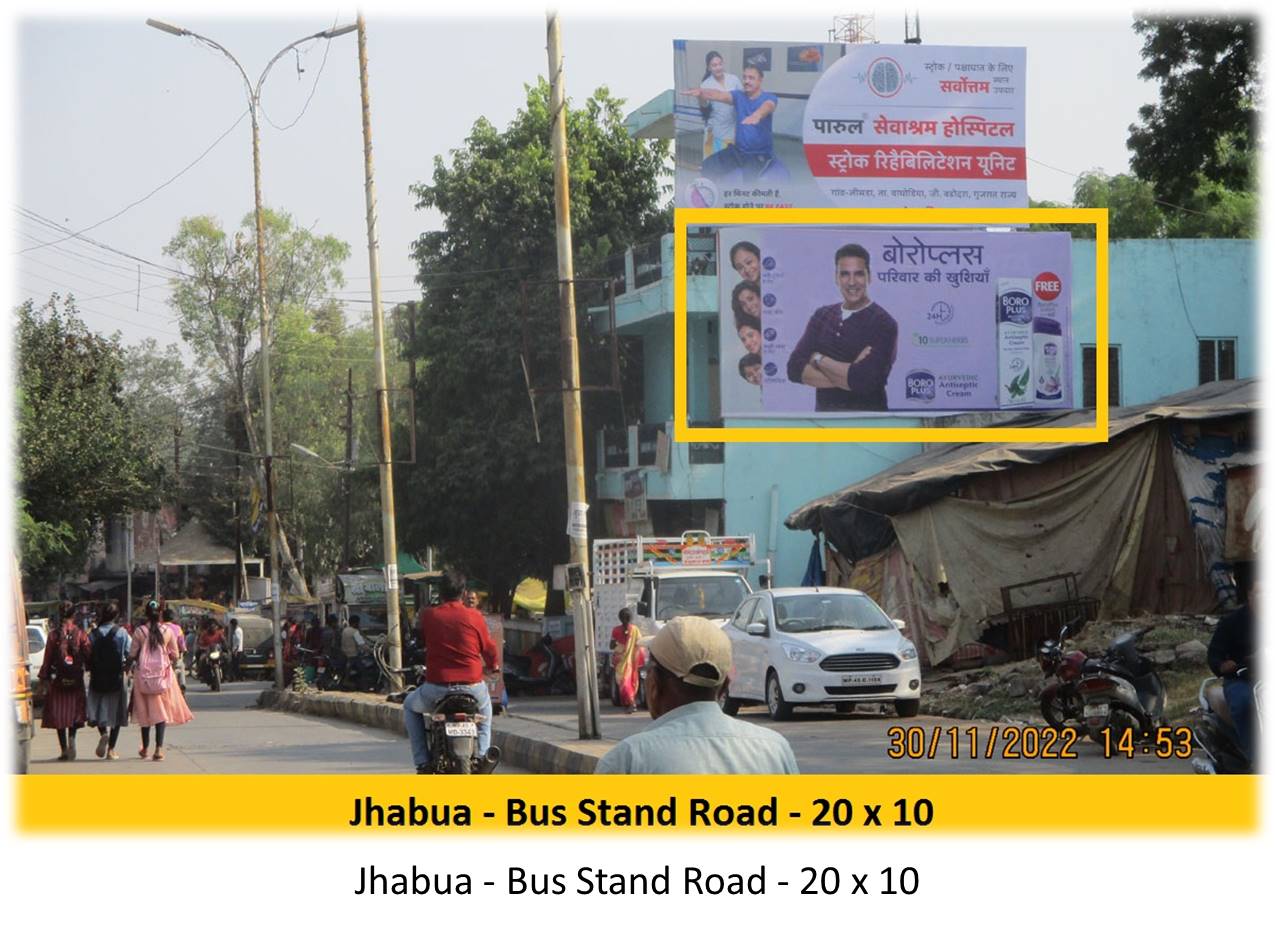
(157, 697)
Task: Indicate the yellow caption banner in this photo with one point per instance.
(812, 216)
(826, 805)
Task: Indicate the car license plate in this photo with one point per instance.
(1097, 711)
(461, 729)
(861, 679)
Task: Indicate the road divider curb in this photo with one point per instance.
(524, 751)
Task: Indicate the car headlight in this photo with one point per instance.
(908, 651)
(801, 653)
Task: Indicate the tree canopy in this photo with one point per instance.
(83, 451)
(484, 490)
(219, 317)
(1205, 125)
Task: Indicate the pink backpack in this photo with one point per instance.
(154, 672)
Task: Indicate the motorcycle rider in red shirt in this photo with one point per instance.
(457, 646)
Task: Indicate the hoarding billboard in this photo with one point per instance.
(836, 321)
(816, 125)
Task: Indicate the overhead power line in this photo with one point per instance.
(141, 200)
(45, 221)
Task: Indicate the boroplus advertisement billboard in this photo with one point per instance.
(824, 321)
(773, 124)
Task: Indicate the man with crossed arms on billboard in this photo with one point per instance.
(848, 349)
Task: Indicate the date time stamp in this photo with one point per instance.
(997, 741)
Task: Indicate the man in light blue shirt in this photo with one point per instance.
(688, 663)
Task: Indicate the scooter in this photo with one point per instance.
(1122, 690)
(1060, 701)
(1214, 734)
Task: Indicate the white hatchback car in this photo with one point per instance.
(819, 646)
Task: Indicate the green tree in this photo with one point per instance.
(83, 454)
(218, 312)
(1208, 73)
(486, 491)
(1132, 209)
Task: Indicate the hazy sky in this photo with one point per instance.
(107, 109)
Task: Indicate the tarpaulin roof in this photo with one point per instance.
(407, 565)
(856, 514)
(190, 546)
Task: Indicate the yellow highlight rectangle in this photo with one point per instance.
(956, 803)
(684, 217)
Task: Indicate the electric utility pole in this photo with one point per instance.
(573, 432)
(382, 393)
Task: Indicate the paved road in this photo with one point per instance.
(231, 735)
(826, 743)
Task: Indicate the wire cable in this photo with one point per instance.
(142, 200)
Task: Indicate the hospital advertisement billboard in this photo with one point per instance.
(773, 124)
(821, 321)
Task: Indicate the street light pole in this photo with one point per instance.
(388, 531)
(254, 104)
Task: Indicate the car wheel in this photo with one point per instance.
(909, 707)
(778, 708)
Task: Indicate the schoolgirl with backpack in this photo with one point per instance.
(157, 699)
(66, 656)
(108, 685)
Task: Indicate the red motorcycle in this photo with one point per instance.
(1060, 701)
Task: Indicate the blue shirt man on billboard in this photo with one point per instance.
(754, 148)
(848, 349)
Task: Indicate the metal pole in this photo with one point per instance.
(238, 594)
(128, 557)
(578, 533)
(272, 519)
(349, 462)
(177, 470)
(382, 394)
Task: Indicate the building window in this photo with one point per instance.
(1089, 375)
(1217, 360)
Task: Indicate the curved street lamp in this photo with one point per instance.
(254, 104)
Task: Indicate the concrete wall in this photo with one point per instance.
(1163, 294)
(802, 472)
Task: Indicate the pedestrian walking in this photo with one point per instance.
(626, 655)
(236, 650)
(107, 703)
(66, 656)
(157, 699)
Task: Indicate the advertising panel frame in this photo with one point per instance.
(1072, 216)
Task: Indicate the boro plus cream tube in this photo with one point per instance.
(1014, 342)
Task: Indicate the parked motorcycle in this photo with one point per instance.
(1214, 735)
(542, 669)
(1122, 690)
(361, 673)
(211, 665)
(1060, 701)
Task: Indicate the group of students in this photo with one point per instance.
(130, 675)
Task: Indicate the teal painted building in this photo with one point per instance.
(1181, 312)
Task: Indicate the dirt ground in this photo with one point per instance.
(1012, 690)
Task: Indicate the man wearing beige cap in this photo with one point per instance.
(687, 666)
